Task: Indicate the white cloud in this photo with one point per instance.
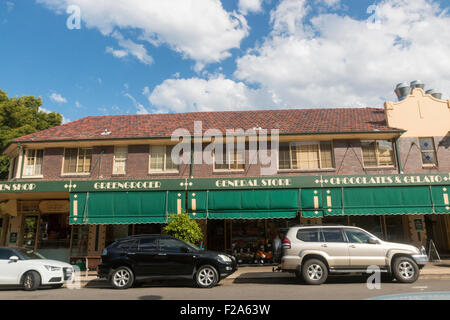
(140, 108)
(129, 47)
(326, 60)
(196, 94)
(56, 97)
(78, 104)
(247, 6)
(201, 30)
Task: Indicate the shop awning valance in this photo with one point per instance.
(123, 207)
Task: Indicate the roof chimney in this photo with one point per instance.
(435, 93)
(402, 91)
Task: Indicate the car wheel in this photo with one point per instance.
(206, 277)
(405, 270)
(57, 286)
(122, 278)
(31, 281)
(314, 272)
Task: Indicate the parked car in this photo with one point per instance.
(313, 252)
(30, 270)
(137, 258)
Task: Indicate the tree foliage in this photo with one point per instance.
(19, 117)
(181, 226)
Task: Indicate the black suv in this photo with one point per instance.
(143, 257)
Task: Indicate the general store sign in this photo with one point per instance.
(226, 183)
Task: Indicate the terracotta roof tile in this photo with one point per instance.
(291, 121)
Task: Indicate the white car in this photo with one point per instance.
(29, 269)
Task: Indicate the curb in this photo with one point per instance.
(95, 282)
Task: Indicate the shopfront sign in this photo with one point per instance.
(226, 183)
(54, 206)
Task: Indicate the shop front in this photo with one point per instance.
(246, 217)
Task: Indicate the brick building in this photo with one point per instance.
(75, 188)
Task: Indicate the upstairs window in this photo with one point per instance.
(428, 151)
(77, 160)
(161, 159)
(33, 163)
(231, 160)
(120, 160)
(377, 153)
(305, 156)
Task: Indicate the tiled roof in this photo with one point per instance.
(291, 121)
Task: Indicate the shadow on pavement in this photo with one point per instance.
(341, 279)
(150, 298)
(103, 284)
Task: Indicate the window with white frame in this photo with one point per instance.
(33, 162)
(428, 151)
(77, 160)
(120, 159)
(161, 159)
(305, 155)
(377, 153)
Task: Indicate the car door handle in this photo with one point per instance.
(324, 246)
(162, 254)
(352, 246)
(131, 253)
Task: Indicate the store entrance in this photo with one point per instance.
(219, 235)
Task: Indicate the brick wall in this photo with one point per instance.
(347, 160)
(412, 158)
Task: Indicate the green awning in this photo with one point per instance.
(245, 204)
(123, 207)
(312, 213)
(252, 214)
(387, 200)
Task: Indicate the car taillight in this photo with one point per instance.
(286, 243)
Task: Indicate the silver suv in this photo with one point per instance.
(313, 252)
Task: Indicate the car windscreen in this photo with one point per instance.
(29, 254)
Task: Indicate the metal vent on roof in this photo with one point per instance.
(435, 93)
(106, 132)
(417, 84)
(402, 90)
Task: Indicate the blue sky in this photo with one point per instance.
(246, 54)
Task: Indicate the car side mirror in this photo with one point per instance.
(185, 250)
(373, 241)
(14, 258)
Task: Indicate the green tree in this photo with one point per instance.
(19, 117)
(181, 226)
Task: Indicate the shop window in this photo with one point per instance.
(13, 167)
(256, 241)
(377, 153)
(394, 228)
(230, 160)
(161, 159)
(120, 160)
(77, 160)
(372, 224)
(33, 163)
(305, 156)
(428, 151)
(29, 231)
(80, 237)
(54, 232)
